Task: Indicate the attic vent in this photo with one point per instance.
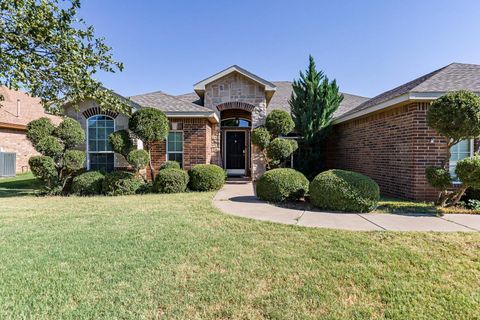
(176, 126)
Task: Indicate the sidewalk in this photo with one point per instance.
(238, 199)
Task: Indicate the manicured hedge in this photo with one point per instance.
(119, 183)
(206, 177)
(283, 184)
(171, 181)
(88, 183)
(347, 191)
(170, 165)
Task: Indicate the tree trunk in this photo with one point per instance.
(150, 163)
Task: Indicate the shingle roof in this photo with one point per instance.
(167, 103)
(455, 76)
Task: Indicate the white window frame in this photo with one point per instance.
(183, 146)
(472, 152)
(87, 142)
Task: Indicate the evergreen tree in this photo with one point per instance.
(314, 100)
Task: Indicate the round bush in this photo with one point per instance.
(119, 183)
(279, 122)
(171, 181)
(74, 160)
(170, 165)
(206, 177)
(261, 137)
(149, 124)
(284, 184)
(438, 177)
(346, 191)
(138, 159)
(70, 132)
(88, 183)
(280, 149)
(468, 171)
(121, 142)
(50, 146)
(43, 167)
(38, 129)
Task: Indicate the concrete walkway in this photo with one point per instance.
(239, 199)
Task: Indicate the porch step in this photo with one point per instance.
(238, 180)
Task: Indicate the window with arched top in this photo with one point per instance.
(100, 155)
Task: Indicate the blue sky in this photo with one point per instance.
(368, 46)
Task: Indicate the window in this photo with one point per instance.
(460, 151)
(99, 150)
(242, 123)
(175, 147)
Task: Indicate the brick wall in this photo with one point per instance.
(393, 147)
(16, 141)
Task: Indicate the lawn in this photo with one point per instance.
(175, 256)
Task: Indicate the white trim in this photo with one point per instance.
(472, 153)
(211, 116)
(86, 144)
(177, 152)
(235, 171)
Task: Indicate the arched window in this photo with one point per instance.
(100, 154)
(236, 122)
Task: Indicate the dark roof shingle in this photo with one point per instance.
(167, 103)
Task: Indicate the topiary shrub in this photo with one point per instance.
(206, 177)
(74, 160)
(50, 146)
(468, 171)
(170, 165)
(88, 183)
(138, 159)
(43, 167)
(70, 132)
(279, 122)
(121, 142)
(347, 191)
(120, 183)
(280, 149)
(438, 177)
(261, 137)
(171, 181)
(38, 129)
(283, 184)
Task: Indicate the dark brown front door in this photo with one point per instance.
(235, 151)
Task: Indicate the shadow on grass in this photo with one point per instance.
(402, 207)
(21, 185)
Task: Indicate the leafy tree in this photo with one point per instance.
(59, 162)
(456, 117)
(48, 51)
(314, 100)
(149, 125)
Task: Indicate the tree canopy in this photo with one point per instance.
(46, 50)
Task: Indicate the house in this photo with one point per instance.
(16, 111)
(385, 137)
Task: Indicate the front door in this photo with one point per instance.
(235, 152)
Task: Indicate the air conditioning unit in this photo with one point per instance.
(7, 164)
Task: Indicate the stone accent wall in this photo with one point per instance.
(393, 147)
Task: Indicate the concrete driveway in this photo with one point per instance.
(239, 199)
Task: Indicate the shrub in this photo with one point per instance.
(279, 185)
(279, 122)
(171, 181)
(206, 177)
(43, 167)
(74, 160)
(170, 165)
(121, 142)
(468, 171)
(38, 129)
(261, 137)
(438, 177)
(138, 159)
(88, 183)
(341, 190)
(70, 132)
(50, 146)
(119, 183)
(280, 149)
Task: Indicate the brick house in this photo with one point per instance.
(385, 137)
(16, 111)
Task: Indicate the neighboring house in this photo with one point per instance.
(385, 137)
(16, 111)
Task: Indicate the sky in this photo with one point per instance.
(367, 46)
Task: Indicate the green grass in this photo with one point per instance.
(398, 206)
(21, 185)
(176, 257)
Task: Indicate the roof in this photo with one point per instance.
(455, 76)
(167, 103)
(284, 92)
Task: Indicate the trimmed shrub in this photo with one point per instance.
(346, 191)
(70, 132)
(88, 183)
(171, 181)
(149, 124)
(120, 183)
(121, 142)
(138, 159)
(170, 165)
(261, 137)
(38, 129)
(468, 171)
(50, 146)
(438, 177)
(74, 159)
(206, 177)
(279, 122)
(43, 167)
(283, 184)
(280, 149)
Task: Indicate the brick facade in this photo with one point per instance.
(393, 147)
